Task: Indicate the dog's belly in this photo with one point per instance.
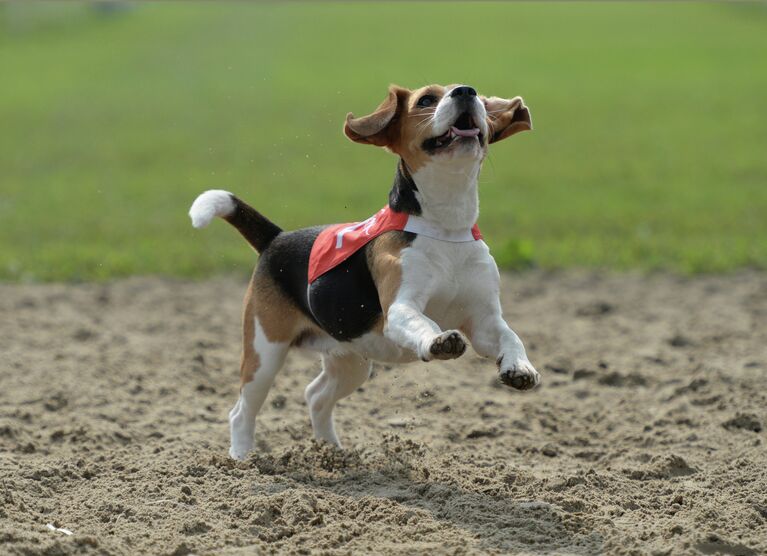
(371, 345)
(378, 347)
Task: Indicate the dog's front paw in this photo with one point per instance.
(448, 345)
(520, 375)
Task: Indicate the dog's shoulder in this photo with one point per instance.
(383, 258)
(387, 248)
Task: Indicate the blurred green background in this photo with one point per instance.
(649, 149)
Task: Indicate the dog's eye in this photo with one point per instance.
(426, 100)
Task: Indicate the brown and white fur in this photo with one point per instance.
(430, 295)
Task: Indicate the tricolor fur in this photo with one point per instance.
(404, 296)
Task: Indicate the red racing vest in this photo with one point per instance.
(338, 242)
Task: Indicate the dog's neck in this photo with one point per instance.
(445, 194)
(402, 197)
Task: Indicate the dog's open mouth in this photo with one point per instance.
(463, 127)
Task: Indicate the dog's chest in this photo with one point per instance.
(447, 278)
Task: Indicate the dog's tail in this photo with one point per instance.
(258, 230)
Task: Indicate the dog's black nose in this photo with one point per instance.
(463, 92)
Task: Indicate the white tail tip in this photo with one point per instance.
(210, 204)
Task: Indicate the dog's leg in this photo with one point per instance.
(341, 375)
(408, 327)
(492, 337)
(488, 332)
(261, 360)
(404, 291)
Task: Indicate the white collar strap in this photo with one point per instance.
(421, 226)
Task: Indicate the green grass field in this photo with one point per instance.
(649, 149)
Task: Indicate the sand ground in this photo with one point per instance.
(646, 436)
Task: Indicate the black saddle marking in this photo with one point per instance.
(286, 261)
(344, 300)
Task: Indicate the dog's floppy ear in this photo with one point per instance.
(375, 128)
(506, 117)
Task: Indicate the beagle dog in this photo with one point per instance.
(415, 281)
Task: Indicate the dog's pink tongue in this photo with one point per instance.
(465, 132)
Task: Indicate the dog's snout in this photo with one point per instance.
(463, 91)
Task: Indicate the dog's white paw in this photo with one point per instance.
(241, 431)
(241, 444)
(238, 453)
(520, 375)
(448, 345)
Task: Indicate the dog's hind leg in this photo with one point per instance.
(261, 361)
(268, 325)
(341, 375)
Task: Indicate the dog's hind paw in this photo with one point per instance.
(239, 454)
(448, 345)
(520, 375)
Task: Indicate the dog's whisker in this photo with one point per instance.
(429, 119)
(425, 119)
(422, 114)
(423, 124)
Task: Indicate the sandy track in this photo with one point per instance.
(645, 437)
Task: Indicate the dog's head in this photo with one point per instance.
(439, 122)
